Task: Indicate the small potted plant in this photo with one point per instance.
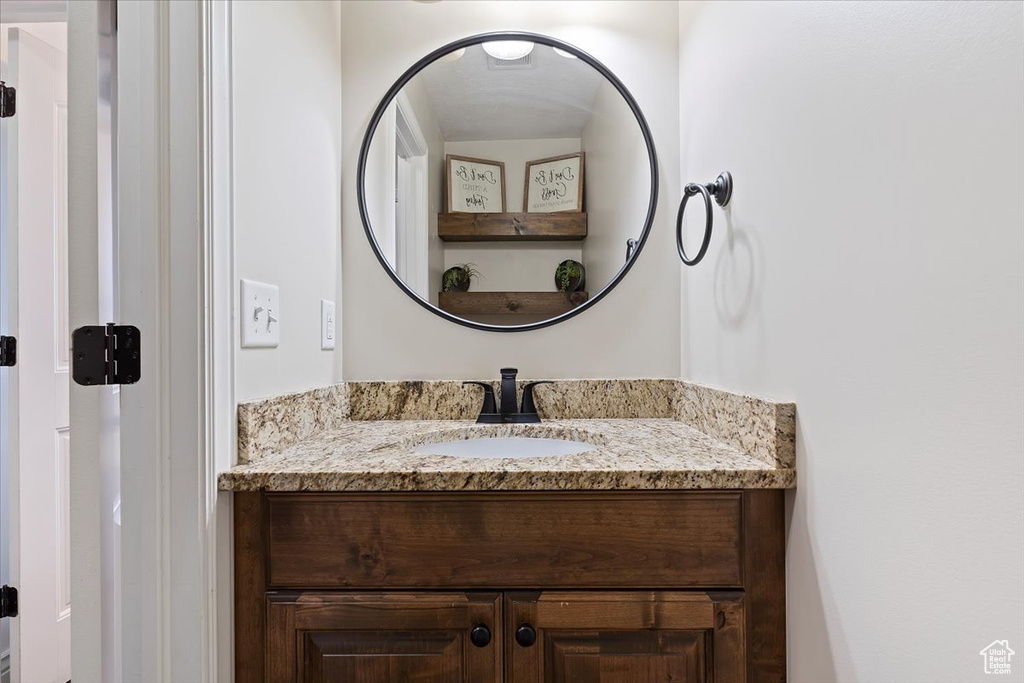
(457, 278)
(570, 276)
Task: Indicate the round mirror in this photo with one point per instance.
(507, 181)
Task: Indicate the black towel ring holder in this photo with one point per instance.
(721, 190)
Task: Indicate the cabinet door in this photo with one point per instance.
(383, 637)
(624, 637)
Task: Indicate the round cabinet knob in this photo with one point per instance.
(526, 635)
(513, 305)
(480, 636)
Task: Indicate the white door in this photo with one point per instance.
(37, 433)
(151, 273)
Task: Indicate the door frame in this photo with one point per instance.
(223, 338)
(411, 227)
(87, 408)
(177, 422)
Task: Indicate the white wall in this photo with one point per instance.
(617, 184)
(870, 269)
(508, 268)
(287, 182)
(386, 335)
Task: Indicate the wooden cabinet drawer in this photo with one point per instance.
(504, 540)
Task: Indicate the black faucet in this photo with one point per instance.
(508, 392)
(527, 414)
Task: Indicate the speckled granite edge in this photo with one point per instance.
(275, 423)
(384, 455)
(666, 479)
(566, 399)
(756, 426)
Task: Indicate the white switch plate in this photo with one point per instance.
(260, 315)
(328, 325)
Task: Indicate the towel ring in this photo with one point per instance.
(721, 189)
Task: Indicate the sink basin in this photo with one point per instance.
(505, 447)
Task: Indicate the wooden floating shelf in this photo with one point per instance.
(504, 227)
(534, 305)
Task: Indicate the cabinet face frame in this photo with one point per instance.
(507, 540)
(762, 572)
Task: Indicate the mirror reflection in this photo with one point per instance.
(507, 183)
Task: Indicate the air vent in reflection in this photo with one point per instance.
(503, 64)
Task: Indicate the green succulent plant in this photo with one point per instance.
(565, 273)
(455, 276)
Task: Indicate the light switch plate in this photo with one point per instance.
(328, 325)
(260, 315)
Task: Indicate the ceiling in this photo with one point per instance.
(22, 11)
(475, 98)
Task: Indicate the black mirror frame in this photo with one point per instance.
(476, 40)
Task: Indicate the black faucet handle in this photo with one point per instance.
(490, 406)
(528, 405)
(508, 391)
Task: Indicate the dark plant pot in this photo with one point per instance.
(576, 284)
(461, 282)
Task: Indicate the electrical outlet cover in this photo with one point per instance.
(328, 325)
(260, 315)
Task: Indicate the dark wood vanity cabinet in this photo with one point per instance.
(606, 587)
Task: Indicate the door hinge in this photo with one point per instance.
(8, 352)
(8, 98)
(110, 354)
(8, 601)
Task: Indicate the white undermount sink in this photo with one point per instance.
(505, 447)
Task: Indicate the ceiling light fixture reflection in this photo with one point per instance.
(508, 50)
(563, 53)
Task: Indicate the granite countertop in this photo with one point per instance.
(631, 454)
(682, 436)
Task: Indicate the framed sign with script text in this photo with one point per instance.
(554, 184)
(475, 185)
